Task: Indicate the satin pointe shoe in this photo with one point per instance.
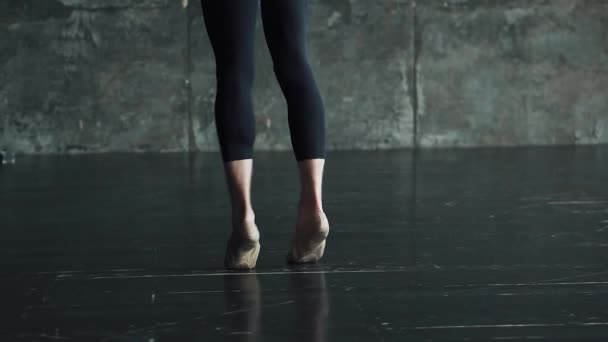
(309, 242)
(241, 253)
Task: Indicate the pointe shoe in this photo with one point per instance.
(308, 245)
(241, 253)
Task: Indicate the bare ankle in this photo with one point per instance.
(310, 206)
(240, 216)
(306, 213)
(247, 230)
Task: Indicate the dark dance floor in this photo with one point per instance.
(478, 244)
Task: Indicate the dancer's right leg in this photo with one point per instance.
(230, 27)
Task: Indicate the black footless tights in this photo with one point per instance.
(230, 26)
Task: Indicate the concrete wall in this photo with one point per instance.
(139, 75)
(512, 72)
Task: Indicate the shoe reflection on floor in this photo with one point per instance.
(309, 309)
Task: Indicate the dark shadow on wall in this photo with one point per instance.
(12, 11)
(23, 11)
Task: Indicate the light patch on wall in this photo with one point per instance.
(333, 19)
(449, 138)
(205, 138)
(514, 15)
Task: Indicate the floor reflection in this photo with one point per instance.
(306, 319)
(312, 306)
(244, 305)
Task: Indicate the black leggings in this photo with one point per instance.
(230, 26)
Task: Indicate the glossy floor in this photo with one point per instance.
(477, 244)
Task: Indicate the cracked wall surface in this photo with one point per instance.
(139, 75)
(514, 72)
(91, 76)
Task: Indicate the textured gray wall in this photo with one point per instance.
(132, 75)
(512, 72)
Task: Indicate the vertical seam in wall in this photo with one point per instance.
(414, 95)
(188, 84)
(414, 92)
(414, 160)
